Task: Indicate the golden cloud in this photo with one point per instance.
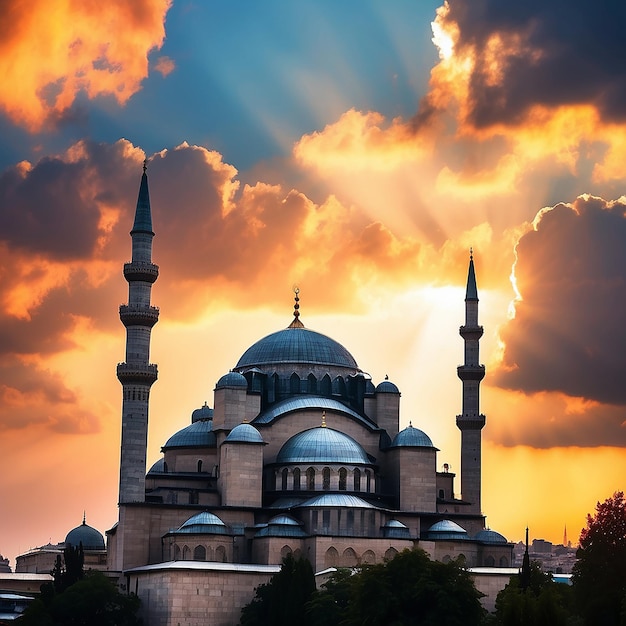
(52, 51)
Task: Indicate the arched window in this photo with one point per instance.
(165, 467)
(176, 552)
(390, 554)
(326, 478)
(310, 479)
(490, 561)
(294, 383)
(284, 475)
(349, 558)
(186, 553)
(199, 465)
(339, 387)
(368, 481)
(357, 479)
(220, 554)
(312, 383)
(199, 553)
(368, 558)
(284, 551)
(325, 385)
(442, 494)
(504, 562)
(343, 479)
(296, 479)
(331, 557)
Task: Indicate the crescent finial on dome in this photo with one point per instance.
(296, 323)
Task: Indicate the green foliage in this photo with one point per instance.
(408, 589)
(281, 601)
(599, 576)
(92, 601)
(542, 603)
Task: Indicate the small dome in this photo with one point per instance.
(88, 536)
(281, 526)
(338, 500)
(203, 523)
(158, 467)
(198, 434)
(386, 387)
(394, 529)
(490, 536)
(203, 413)
(411, 438)
(244, 433)
(446, 530)
(296, 345)
(232, 380)
(322, 445)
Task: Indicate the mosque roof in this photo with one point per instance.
(490, 536)
(297, 345)
(231, 379)
(322, 445)
(386, 386)
(158, 467)
(395, 529)
(203, 523)
(205, 412)
(298, 403)
(447, 530)
(337, 500)
(244, 433)
(282, 526)
(91, 538)
(411, 437)
(198, 434)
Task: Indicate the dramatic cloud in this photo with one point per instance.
(568, 331)
(512, 57)
(51, 52)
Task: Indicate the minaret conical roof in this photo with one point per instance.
(471, 293)
(143, 215)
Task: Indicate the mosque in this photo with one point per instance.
(300, 453)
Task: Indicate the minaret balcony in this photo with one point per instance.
(141, 270)
(470, 372)
(139, 315)
(136, 373)
(471, 332)
(471, 421)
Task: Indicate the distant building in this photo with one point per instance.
(301, 453)
(553, 559)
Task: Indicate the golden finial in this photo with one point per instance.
(471, 253)
(145, 165)
(296, 323)
(323, 419)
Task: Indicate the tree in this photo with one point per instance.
(408, 589)
(92, 601)
(536, 601)
(281, 601)
(599, 575)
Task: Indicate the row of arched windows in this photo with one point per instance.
(199, 553)
(331, 479)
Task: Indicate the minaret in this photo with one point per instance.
(471, 421)
(137, 374)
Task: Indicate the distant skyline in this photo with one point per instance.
(357, 149)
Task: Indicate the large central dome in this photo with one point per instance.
(296, 345)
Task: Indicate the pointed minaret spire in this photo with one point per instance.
(296, 323)
(137, 374)
(471, 421)
(524, 574)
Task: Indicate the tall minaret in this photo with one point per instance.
(137, 373)
(471, 421)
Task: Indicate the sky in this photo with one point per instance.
(356, 149)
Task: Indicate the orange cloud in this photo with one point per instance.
(51, 52)
(165, 66)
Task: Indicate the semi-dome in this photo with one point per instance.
(91, 538)
(198, 434)
(281, 526)
(395, 529)
(411, 437)
(490, 536)
(296, 345)
(446, 530)
(244, 433)
(322, 445)
(386, 387)
(158, 467)
(203, 523)
(232, 380)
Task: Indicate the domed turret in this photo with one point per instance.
(88, 536)
(411, 438)
(232, 380)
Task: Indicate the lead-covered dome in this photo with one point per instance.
(296, 345)
(411, 437)
(91, 538)
(197, 435)
(322, 445)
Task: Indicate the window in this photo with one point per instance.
(442, 494)
(357, 479)
(296, 479)
(312, 383)
(199, 465)
(310, 479)
(326, 478)
(199, 553)
(294, 383)
(343, 479)
(285, 473)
